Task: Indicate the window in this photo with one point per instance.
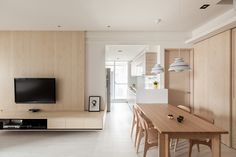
(120, 79)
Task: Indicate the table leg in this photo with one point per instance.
(164, 143)
(216, 146)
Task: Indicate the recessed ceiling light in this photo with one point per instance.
(204, 6)
(157, 21)
(108, 26)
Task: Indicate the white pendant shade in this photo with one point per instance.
(157, 69)
(179, 65)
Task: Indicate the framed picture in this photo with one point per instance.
(94, 103)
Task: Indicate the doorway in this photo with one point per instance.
(179, 84)
(118, 80)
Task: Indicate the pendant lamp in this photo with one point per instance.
(179, 65)
(157, 69)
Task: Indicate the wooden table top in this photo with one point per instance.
(158, 114)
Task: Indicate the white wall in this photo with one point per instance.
(215, 26)
(95, 53)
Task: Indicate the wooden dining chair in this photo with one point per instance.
(149, 133)
(135, 124)
(187, 109)
(197, 142)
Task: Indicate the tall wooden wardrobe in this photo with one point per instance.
(214, 82)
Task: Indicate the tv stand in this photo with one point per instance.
(52, 120)
(30, 124)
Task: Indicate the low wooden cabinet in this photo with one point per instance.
(61, 120)
(56, 123)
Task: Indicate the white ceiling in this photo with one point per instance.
(94, 15)
(123, 52)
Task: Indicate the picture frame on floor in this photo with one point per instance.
(94, 103)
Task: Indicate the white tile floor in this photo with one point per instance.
(114, 141)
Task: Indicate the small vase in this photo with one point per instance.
(155, 86)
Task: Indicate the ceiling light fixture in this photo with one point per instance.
(179, 65)
(157, 69)
(157, 21)
(108, 26)
(204, 6)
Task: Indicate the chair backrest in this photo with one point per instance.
(185, 108)
(135, 112)
(205, 119)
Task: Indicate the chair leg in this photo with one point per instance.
(145, 149)
(176, 143)
(171, 140)
(139, 138)
(133, 123)
(190, 148)
(198, 148)
(136, 135)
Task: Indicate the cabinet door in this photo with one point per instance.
(233, 88)
(56, 123)
(212, 86)
(219, 65)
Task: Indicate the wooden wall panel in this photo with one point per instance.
(212, 75)
(178, 84)
(233, 88)
(43, 54)
(201, 105)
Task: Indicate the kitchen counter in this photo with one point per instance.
(152, 96)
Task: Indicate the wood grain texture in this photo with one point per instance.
(212, 76)
(62, 120)
(158, 114)
(233, 88)
(191, 128)
(150, 61)
(43, 54)
(178, 84)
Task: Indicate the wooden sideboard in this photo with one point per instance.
(62, 120)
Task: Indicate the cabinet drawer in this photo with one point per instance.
(75, 123)
(56, 123)
(84, 123)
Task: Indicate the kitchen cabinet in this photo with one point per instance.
(143, 63)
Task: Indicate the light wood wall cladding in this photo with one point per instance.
(212, 76)
(233, 88)
(178, 84)
(150, 60)
(43, 54)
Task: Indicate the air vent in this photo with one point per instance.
(204, 6)
(225, 2)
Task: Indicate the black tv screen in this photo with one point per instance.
(35, 90)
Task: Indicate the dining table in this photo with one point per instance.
(192, 127)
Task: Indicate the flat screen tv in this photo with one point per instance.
(35, 90)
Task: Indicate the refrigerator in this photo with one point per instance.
(108, 89)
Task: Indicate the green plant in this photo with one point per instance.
(155, 83)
